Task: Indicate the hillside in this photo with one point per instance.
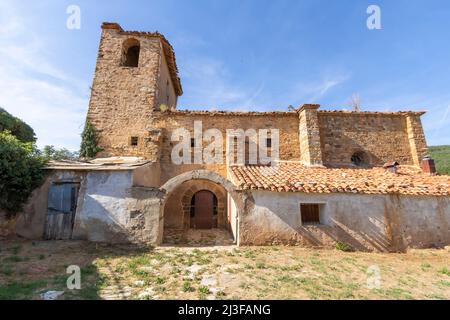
(441, 155)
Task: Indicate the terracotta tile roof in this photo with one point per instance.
(294, 177)
(167, 48)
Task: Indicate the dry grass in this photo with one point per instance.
(124, 272)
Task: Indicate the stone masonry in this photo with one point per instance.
(134, 111)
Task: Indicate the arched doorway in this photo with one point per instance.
(197, 204)
(204, 209)
(176, 204)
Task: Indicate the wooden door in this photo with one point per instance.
(61, 208)
(204, 209)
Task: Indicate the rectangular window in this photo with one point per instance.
(134, 141)
(310, 213)
(269, 143)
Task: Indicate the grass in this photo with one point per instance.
(445, 271)
(187, 287)
(441, 156)
(20, 290)
(342, 246)
(12, 259)
(425, 266)
(245, 273)
(203, 291)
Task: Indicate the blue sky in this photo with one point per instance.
(234, 55)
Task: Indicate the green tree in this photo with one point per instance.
(52, 153)
(21, 171)
(89, 141)
(17, 127)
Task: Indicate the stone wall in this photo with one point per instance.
(416, 138)
(285, 122)
(109, 208)
(366, 222)
(125, 102)
(309, 136)
(123, 99)
(166, 91)
(381, 137)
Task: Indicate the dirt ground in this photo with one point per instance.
(28, 269)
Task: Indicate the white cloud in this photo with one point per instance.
(33, 88)
(312, 91)
(11, 24)
(208, 83)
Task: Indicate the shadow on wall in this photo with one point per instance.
(363, 231)
(366, 223)
(385, 223)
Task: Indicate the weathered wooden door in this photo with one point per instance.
(204, 209)
(61, 208)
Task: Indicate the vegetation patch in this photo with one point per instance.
(342, 246)
(122, 272)
(441, 156)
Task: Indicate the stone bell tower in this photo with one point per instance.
(135, 78)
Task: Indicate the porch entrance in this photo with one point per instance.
(196, 213)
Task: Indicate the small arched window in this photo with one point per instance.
(360, 159)
(130, 53)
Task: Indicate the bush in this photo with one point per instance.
(17, 127)
(20, 172)
(342, 246)
(89, 141)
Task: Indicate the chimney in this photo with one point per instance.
(428, 165)
(391, 167)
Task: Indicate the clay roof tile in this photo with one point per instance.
(294, 177)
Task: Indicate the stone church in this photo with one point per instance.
(360, 178)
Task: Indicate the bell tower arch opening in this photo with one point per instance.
(130, 53)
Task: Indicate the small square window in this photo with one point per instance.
(310, 213)
(134, 141)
